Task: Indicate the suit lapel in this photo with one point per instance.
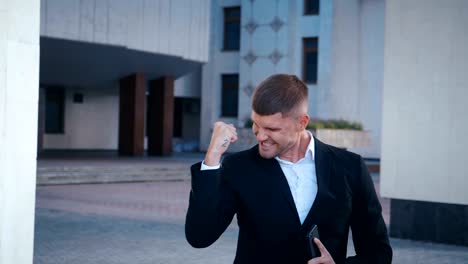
(276, 175)
(323, 169)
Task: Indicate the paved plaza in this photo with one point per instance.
(144, 223)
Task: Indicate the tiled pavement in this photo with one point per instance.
(107, 167)
(144, 223)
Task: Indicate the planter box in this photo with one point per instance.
(341, 138)
(344, 138)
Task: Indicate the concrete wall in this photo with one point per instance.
(219, 63)
(371, 51)
(92, 124)
(19, 81)
(350, 61)
(342, 96)
(173, 27)
(353, 68)
(287, 41)
(188, 85)
(305, 27)
(263, 42)
(425, 128)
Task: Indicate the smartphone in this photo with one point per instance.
(311, 246)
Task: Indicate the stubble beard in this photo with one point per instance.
(273, 151)
(270, 152)
(267, 154)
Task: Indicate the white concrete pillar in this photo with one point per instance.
(425, 128)
(19, 88)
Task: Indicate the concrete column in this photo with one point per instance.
(132, 115)
(425, 128)
(161, 116)
(19, 84)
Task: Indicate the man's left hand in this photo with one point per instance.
(325, 257)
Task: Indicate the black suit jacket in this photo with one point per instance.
(270, 231)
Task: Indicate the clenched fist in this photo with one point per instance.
(223, 135)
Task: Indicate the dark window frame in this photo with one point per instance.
(226, 85)
(78, 98)
(177, 130)
(308, 11)
(227, 20)
(58, 94)
(309, 50)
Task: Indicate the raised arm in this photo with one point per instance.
(212, 202)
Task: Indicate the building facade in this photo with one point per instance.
(217, 52)
(106, 65)
(336, 47)
(96, 73)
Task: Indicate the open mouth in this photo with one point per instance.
(266, 144)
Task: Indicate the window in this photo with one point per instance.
(232, 28)
(178, 117)
(310, 58)
(185, 110)
(54, 116)
(230, 95)
(311, 7)
(78, 98)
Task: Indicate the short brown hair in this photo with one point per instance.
(279, 93)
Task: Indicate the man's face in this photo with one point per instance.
(276, 134)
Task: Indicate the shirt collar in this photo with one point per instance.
(310, 152)
(311, 147)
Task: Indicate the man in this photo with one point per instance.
(283, 186)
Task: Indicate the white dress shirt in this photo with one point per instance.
(302, 180)
(301, 177)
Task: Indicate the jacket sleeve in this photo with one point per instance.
(370, 236)
(212, 206)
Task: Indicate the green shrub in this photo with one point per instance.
(315, 124)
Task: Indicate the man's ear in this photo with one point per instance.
(304, 121)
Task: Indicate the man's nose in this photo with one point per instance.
(261, 136)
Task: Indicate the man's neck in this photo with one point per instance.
(298, 150)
